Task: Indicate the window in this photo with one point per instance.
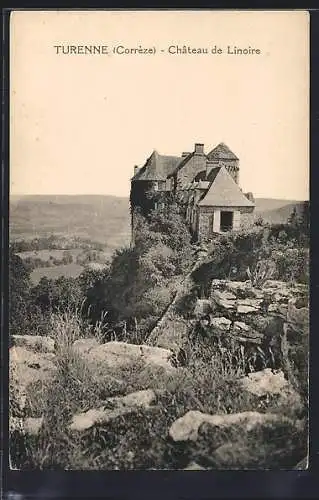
(226, 221)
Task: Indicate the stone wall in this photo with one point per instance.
(209, 220)
(239, 311)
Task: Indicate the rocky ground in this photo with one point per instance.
(146, 406)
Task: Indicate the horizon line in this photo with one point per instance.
(127, 196)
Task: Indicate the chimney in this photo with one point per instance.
(250, 197)
(199, 149)
(136, 167)
(185, 153)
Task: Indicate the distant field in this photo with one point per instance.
(69, 271)
(46, 254)
(105, 219)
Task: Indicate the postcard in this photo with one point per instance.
(159, 239)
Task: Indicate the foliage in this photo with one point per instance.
(19, 293)
(263, 271)
(57, 295)
(282, 249)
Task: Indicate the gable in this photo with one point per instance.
(224, 192)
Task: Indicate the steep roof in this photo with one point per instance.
(221, 152)
(224, 192)
(181, 163)
(157, 168)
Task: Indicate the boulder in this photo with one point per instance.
(121, 354)
(221, 324)
(29, 367)
(113, 408)
(37, 343)
(267, 383)
(83, 346)
(264, 382)
(186, 428)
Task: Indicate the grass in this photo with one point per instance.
(140, 440)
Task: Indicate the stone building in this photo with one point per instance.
(205, 186)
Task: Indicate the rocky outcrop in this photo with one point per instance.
(113, 408)
(29, 366)
(251, 315)
(186, 428)
(35, 343)
(121, 354)
(265, 382)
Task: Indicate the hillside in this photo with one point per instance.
(99, 218)
(276, 211)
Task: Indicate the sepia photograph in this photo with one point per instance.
(159, 240)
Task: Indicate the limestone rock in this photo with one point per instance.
(186, 428)
(226, 300)
(113, 408)
(37, 343)
(266, 382)
(245, 306)
(29, 367)
(238, 286)
(245, 333)
(221, 324)
(83, 346)
(240, 327)
(122, 354)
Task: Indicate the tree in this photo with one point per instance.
(19, 293)
(61, 294)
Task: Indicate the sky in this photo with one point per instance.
(79, 123)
